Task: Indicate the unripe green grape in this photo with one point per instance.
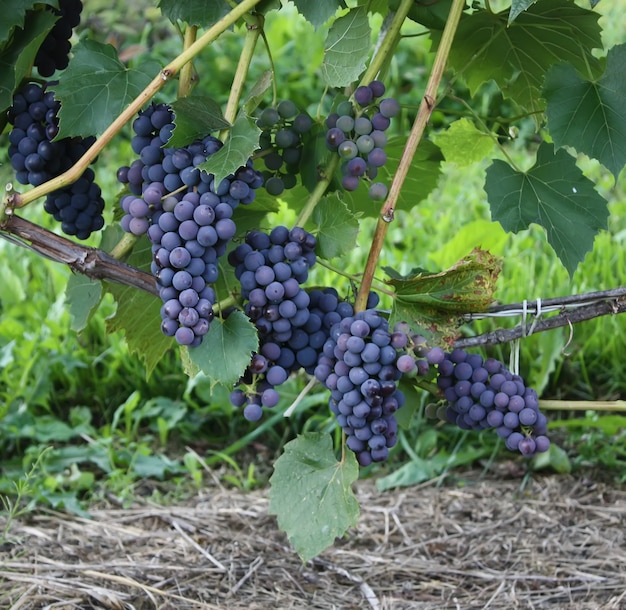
(269, 117)
(365, 144)
(362, 126)
(345, 123)
(348, 150)
(345, 108)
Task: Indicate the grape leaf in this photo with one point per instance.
(319, 12)
(554, 194)
(463, 144)
(258, 92)
(195, 117)
(420, 181)
(94, 90)
(518, 55)
(590, 115)
(311, 493)
(138, 315)
(225, 350)
(194, 12)
(16, 59)
(517, 7)
(466, 287)
(346, 49)
(82, 296)
(433, 303)
(243, 141)
(337, 227)
(14, 13)
(432, 15)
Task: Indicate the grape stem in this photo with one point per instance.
(247, 53)
(18, 200)
(318, 192)
(421, 120)
(185, 80)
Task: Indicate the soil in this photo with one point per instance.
(476, 542)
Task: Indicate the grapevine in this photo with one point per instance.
(207, 194)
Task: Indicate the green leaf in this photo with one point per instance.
(226, 349)
(196, 117)
(347, 48)
(463, 144)
(16, 59)
(243, 141)
(517, 7)
(311, 493)
(319, 12)
(154, 466)
(432, 15)
(258, 91)
(337, 227)
(433, 303)
(555, 458)
(82, 296)
(14, 13)
(94, 90)
(422, 178)
(517, 56)
(590, 115)
(194, 12)
(138, 315)
(554, 194)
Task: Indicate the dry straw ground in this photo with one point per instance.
(558, 543)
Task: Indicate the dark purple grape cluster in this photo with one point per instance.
(356, 132)
(186, 215)
(361, 363)
(281, 144)
(271, 269)
(53, 54)
(484, 394)
(36, 158)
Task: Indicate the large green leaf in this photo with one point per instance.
(225, 351)
(195, 117)
(518, 55)
(95, 88)
(16, 58)
(463, 144)
(311, 493)
(194, 12)
(318, 12)
(347, 48)
(554, 194)
(242, 142)
(337, 227)
(590, 115)
(13, 16)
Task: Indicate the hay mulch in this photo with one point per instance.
(560, 542)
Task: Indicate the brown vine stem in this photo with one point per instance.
(92, 262)
(17, 200)
(423, 115)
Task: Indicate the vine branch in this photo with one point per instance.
(421, 120)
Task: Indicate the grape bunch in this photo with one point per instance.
(271, 268)
(484, 394)
(281, 144)
(356, 132)
(55, 48)
(361, 363)
(36, 158)
(186, 215)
